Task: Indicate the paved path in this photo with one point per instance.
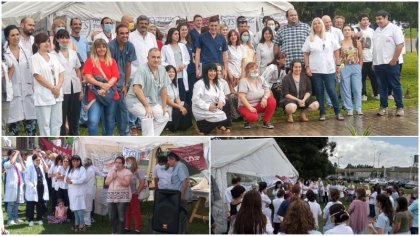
(389, 125)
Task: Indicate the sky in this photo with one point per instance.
(392, 151)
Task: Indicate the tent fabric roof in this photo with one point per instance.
(259, 157)
(13, 12)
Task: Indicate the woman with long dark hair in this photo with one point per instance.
(72, 86)
(180, 118)
(75, 178)
(274, 74)
(22, 102)
(176, 54)
(185, 38)
(208, 101)
(264, 50)
(383, 224)
(250, 219)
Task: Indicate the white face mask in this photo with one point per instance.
(272, 27)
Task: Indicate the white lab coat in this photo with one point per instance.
(31, 181)
(22, 105)
(168, 58)
(11, 188)
(77, 190)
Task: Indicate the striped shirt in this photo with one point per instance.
(290, 39)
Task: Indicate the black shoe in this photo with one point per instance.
(268, 125)
(247, 125)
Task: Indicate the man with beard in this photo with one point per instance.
(124, 53)
(27, 24)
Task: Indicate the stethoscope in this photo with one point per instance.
(26, 56)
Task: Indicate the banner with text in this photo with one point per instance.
(192, 155)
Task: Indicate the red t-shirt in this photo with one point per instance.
(110, 71)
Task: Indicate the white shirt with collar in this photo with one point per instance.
(385, 40)
(27, 44)
(336, 33)
(102, 35)
(142, 45)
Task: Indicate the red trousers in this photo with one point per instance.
(268, 111)
(133, 210)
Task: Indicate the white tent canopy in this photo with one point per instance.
(13, 12)
(254, 157)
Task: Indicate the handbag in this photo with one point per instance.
(108, 97)
(144, 193)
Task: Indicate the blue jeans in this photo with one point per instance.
(79, 217)
(94, 115)
(116, 214)
(12, 211)
(351, 86)
(318, 83)
(389, 75)
(122, 115)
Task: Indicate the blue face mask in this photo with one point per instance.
(62, 46)
(253, 75)
(108, 28)
(245, 38)
(128, 166)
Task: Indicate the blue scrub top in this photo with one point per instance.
(128, 54)
(211, 48)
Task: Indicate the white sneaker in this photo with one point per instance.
(31, 223)
(19, 221)
(390, 97)
(364, 98)
(399, 112)
(382, 111)
(12, 222)
(376, 97)
(40, 222)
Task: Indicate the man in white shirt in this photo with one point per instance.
(388, 41)
(365, 35)
(27, 24)
(143, 41)
(338, 37)
(106, 34)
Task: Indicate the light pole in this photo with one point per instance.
(338, 163)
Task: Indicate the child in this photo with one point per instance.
(60, 215)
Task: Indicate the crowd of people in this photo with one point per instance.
(62, 188)
(211, 74)
(295, 208)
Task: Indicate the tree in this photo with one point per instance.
(308, 155)
(400, 11)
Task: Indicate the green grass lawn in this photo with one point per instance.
(102, 225)
(409, 81)
(413, 34)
